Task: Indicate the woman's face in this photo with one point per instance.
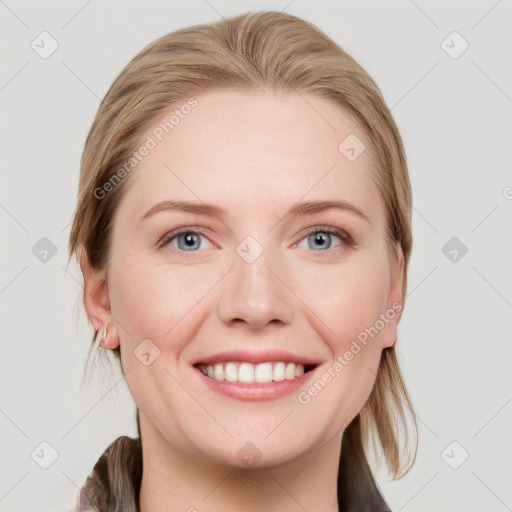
(252, 283)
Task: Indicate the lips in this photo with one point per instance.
(267, 356)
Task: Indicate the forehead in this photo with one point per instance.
(256, 151)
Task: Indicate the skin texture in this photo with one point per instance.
(255, 154)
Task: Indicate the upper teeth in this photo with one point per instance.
(250, 373)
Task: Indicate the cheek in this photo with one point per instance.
(156, 301)
(346, 298)
(162, 304)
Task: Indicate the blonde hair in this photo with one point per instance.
(263, 50)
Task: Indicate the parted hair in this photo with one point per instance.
(265, 50)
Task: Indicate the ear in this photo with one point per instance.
(395, 298)
(97, 303)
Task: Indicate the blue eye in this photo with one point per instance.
(188, 240)
(321, 238)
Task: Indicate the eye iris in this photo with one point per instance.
(190, 239)
(321, 239)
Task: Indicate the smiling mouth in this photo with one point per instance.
(248, 373)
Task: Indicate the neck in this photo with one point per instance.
(199, 484)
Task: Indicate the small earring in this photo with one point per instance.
(101, 337)
(104, 337)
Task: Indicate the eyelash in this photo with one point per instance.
(340, 233)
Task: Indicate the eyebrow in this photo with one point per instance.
(298, 210)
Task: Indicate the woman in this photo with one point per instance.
(243, 229)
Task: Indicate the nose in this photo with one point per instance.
(254, 295)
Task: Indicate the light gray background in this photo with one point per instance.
(455, 337)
